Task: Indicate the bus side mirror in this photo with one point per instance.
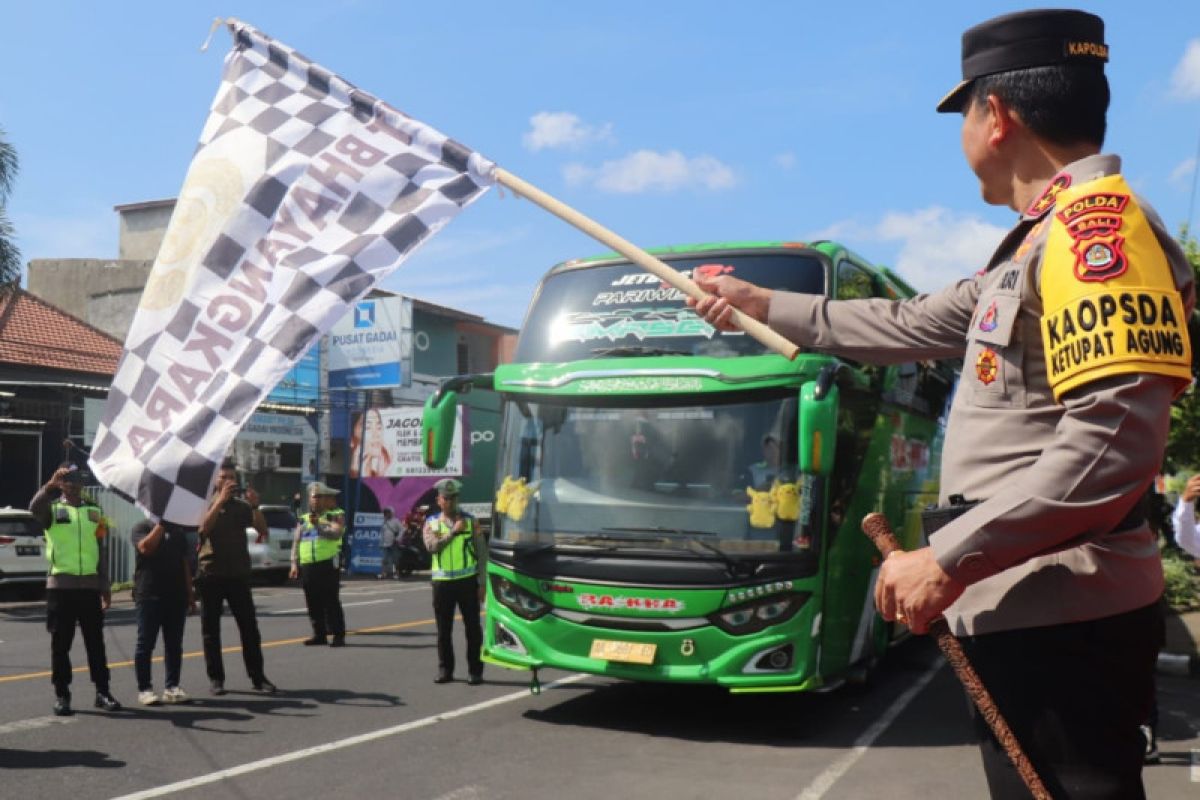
(437, 428)
(818, 428)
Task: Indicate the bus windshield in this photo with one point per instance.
(620, 310)
(683, 477)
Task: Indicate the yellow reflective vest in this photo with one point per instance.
(313, 547)
(72, 544)
(457, 559)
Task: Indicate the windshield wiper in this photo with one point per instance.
(735, 566)
(636, 350)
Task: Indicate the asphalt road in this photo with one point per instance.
(367, 721)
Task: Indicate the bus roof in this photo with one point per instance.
(828, 248)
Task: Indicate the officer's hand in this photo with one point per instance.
(56, 479)
(726, 293)
(1192, 490)
(105, 600)
(914, 590)
(294, 572)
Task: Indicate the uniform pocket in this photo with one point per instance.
(994, 357)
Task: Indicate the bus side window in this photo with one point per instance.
(854, 283)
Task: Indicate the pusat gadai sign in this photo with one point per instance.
(371, 347)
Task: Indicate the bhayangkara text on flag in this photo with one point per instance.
(303, 193)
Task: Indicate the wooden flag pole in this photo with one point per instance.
(875, 526)
(640, 257)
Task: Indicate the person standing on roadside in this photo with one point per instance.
(457, 548)
(1074, 344)
(77, 588)
(223, 576)
(315, 548)
(162, 591)
(389, 543)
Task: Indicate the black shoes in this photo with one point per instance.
(339, 640)
(216, 688)
(315, 640)
(443, 678)
(474, 680)
(62, 705)
(105, 701)
(265, 686)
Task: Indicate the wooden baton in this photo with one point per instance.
(875, 526)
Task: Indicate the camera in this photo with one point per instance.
(239, 491)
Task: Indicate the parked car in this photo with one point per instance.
(272, 558)
(22, 544)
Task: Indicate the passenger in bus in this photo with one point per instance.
(1051, 577)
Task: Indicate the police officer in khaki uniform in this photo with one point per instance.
(1073, 343)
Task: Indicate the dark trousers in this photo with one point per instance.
(214, 593)
(1074, 696)
(322, 586)
(167, 614)
(463, 595)
(64, 609)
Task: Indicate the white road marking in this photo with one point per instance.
(344, 605)
(473, 792)
(825, 781)
(35, 722)
(338, 744)
(1195, 771)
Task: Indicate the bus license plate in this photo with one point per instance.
(29, 550)
(630, 652)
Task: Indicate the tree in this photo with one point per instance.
(1183, 442)
(10, 256)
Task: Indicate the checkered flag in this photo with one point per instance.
(303, 193)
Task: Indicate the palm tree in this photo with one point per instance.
(10, 256)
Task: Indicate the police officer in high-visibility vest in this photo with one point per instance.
(77, 588)
(315, 548)
(458, 551)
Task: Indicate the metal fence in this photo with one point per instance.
(122, 515)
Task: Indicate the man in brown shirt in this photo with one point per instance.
(223, 576)
(1074, 345)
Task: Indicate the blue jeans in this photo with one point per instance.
(167, 615)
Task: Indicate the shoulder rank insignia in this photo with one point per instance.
(1048, 196)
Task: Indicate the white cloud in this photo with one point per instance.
(650, 171)
(1183, 172)
(562, 129)
(935, 246)
(1185, 80)
(785, 160)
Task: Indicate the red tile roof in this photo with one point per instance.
(36, 334)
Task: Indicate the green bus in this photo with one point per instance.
(678, 504)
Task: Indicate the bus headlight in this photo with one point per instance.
(520, 601)
(759, 614)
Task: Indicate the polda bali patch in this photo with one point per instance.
(987, 366)
(1094, 222)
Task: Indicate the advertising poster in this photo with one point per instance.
(371, 347)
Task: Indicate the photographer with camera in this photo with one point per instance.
(223, 575)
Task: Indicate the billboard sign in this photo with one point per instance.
(389, 445)
(371, 347)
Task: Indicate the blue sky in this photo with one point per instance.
(669, 122)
